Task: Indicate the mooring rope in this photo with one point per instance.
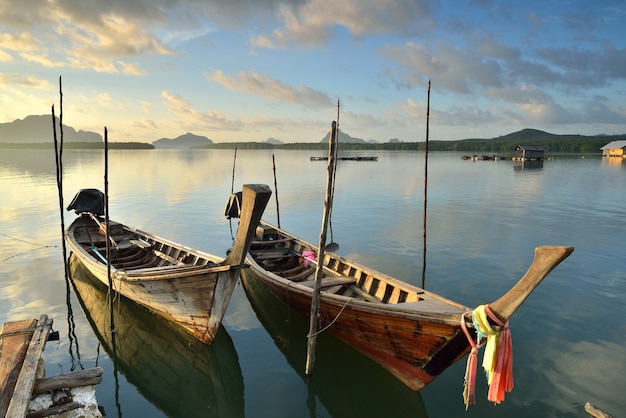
(41, 246)
(333, 321)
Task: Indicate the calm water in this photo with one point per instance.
(484, 220)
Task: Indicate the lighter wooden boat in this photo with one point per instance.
(173, 370)
(413, 333)
(186, 286)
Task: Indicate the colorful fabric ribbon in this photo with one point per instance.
(497, 359)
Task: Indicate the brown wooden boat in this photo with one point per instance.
(173, 370)
(340, 372)
(186, 286)
(413, 333)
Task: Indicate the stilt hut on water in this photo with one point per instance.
(526, 153)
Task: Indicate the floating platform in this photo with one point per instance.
(25, 392)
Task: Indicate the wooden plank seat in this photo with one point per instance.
(140, 243)
(269, 243)
(331, 281)
(270, 253)
(303, 275)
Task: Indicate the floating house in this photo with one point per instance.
(529, 153)
(615, 149)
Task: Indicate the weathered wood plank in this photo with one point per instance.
(364, 295)
(70, 380)
(55, 410)
(264, 254)
(331, 281)
(595, 411)
(26, 380)
(14, 339)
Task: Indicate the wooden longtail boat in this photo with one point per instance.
(413, 333)
(333, 382)
(188, 287)
(174, 371)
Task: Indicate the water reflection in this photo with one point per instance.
(528, 165)
(345, 382)
(484, 220)
(615, 162)
(171, 369)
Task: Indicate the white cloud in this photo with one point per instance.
(22, 42)
(23, 80)
(251, 82)
(313, 22)
(197, 120)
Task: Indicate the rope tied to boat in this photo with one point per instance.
(497, 358)
(469, 383)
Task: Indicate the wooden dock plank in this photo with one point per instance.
(14, 339)
(26, 380)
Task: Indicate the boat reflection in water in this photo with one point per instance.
(170, 368)
(344, 381)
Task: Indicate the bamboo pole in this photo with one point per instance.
(315, 302)
(232, 184)
(332, 245)
(58, 155)
(106, 223)
(425, 187)
(276, 191)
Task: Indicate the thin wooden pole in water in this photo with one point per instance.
(315, 302)
(276, 190)
(232, 184)
(106, 223)
(58, 155)
(426, 186)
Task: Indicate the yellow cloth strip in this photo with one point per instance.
(481, 322)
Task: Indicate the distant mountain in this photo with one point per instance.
(274, 141)
(343, 137)
(185, 141)
(529, 135)
(38, 129)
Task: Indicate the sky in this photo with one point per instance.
(249, 70)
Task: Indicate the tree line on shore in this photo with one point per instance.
(504, 144)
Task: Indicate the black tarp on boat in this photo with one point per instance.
(88, 200)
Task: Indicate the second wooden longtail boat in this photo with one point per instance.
(413, 333)
(185, 286)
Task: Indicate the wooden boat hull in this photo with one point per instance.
(411, 332)
(156, 356)
(358, 375)
(185, 286)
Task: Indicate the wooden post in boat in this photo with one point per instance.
(425, 187)
(106, 223)
(315, 302)
(276, 191)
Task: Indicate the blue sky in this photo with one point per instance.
(247, 70)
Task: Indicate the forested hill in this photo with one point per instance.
(503, 144)
(35, 131)
(550, 142)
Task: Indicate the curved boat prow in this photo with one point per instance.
(254, 200)
(546, 259)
